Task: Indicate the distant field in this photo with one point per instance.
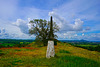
(90, 47)
(33, 56)
(14, 42)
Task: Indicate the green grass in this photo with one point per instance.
(1, 53)
(87, 45)
(70, 61)
(63, 51)
(90, 47)
(60, 61)
(66, 56)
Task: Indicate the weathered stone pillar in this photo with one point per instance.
(50, 49)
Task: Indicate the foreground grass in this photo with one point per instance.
(66, 56)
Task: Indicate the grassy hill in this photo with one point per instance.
(33, 56)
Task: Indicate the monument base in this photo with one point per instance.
(50, 49)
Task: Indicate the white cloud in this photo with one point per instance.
(92, 37)
(5, 34)
(78, 25)
(2, 30)
(67, 35)
(77, 9)
(17, 30)
(67, 26)
(83, 34)
(78, 36)
(70, 17)
(23, 25)
(10, 10)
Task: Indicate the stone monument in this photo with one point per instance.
(50, 46)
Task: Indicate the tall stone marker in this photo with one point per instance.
(50, 47)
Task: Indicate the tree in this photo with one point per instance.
(41, 28)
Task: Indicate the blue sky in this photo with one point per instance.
(77, 19)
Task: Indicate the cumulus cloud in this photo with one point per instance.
(70, 16)
(69, 30)
(23, 25)
(5, 34)
(92, 37)
(75, 9)
(68, 35)
(2, 30)
(78, 25)
(71, 35)
(65, 25)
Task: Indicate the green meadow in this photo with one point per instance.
(32, 55)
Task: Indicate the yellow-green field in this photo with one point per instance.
(34, 56)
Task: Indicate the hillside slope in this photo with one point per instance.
(66, 55)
